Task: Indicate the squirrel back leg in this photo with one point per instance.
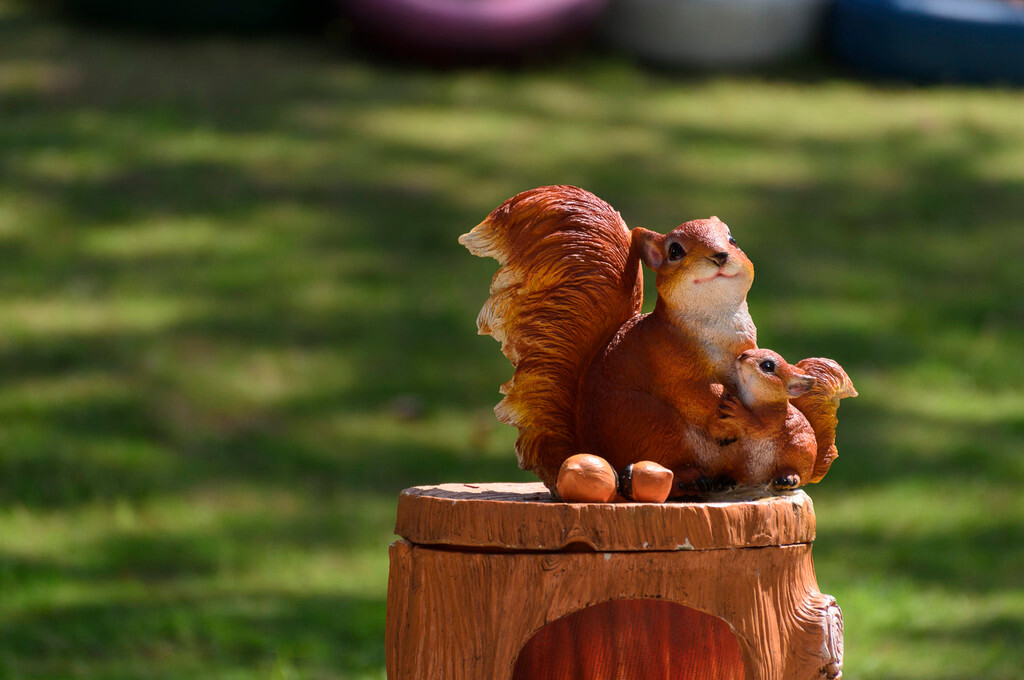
(795, 464)
(645, 429)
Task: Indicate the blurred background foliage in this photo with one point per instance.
(236, 323)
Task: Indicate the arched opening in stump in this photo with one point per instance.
(635, 639)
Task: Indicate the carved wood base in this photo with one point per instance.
(471, 613)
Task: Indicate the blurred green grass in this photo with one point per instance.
(231, 280)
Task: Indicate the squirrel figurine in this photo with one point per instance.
(763, 435)
(592, 374)
(782, 425)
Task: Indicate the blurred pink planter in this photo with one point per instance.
(485, 27)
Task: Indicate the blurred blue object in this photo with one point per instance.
(472, 27)
(714, 33)
(933, 40)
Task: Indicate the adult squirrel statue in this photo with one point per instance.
(592, 374)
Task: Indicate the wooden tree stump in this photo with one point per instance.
(499, 581)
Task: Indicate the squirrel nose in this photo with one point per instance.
(720, 258)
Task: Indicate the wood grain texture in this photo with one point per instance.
(461, 615)
(524, 517)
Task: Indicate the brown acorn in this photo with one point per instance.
(585, 478)
(646, 482)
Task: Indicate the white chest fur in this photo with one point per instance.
(719, 333)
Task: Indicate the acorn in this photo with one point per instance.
(585, 478)
(646, 482)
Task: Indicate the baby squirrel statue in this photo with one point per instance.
(595, 376)
(764, 436)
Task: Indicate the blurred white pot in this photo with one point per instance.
(714, 33)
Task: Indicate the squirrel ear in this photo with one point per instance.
(799, 384)
(649, 246)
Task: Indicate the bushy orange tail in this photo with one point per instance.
(567, 282)
(820, 404)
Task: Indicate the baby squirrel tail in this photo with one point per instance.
(567, 282)
(820, 404)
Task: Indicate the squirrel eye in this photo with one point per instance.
(732, 240)
(675, 251)
(768, 366)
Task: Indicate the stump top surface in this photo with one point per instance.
(524, 517)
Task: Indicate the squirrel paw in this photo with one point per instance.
(727, 427)
(786, 482)
(724, 483)
(700, 485)
(725, 432)
(729, 407)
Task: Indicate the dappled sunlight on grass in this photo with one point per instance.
(237, 322)
(175, 237)
(927, 573)
(220, 578)
(923, 633)
(84, 316)
(954, 403)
